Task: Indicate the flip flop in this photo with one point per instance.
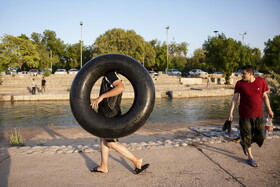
(252, 162)
(243, 148)
(96, 170)
(137, 170)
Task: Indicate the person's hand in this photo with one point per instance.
(96, 102)
(271, 114)
(230, 117)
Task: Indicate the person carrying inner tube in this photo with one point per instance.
(108, 105)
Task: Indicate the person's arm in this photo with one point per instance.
(267, 104)
(118, 89)
(234, 102)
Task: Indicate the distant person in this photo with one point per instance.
(208, 82)
(112, 87)
(33, 87)
(43, 89)
(253, 92)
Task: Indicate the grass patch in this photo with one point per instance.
(15, 138)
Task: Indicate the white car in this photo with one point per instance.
(197, 72)
(256, 73)
(73, 71)
(60, 71)
(153, 73)
(174, 72)
(34, 72)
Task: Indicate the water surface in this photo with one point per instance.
(58, 113)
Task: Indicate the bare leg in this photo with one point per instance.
(122, 150)
(249, 151)
(104, 155)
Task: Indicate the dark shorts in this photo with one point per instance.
(252, 130)
(112, 140)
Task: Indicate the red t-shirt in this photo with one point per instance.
(251, 97)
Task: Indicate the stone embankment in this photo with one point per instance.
(18, 87)
(206, 135)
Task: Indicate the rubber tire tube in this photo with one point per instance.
(134, 118)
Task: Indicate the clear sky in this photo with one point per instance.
(190, 21)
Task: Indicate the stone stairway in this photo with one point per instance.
(58, 87)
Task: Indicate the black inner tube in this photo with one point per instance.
(134, 118)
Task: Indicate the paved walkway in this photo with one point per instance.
(219, 164)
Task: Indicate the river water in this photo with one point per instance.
(58, 113)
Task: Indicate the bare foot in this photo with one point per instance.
(100, 169)
(138, 163)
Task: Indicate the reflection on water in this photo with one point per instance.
(58, 113)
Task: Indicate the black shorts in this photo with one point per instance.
(112, 140)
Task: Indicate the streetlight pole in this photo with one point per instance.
(81, 23)
(243, 37)
(51, 59)
(166, 48)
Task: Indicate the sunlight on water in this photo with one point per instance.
(58, 113)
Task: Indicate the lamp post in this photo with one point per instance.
(81, 23)
(243, 37)
(166, 48)
(216, 33)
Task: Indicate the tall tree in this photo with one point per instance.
(46, 57)
(56, 46)
(17, 51)
(178, 53)
(272, 53)
(127, 43)
(223, 54)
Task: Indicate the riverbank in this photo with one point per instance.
(178, 156)
(18, 88)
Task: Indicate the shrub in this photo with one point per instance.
(47, 73)
(275, 95)
(16, 138)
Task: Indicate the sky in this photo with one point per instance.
(190, 21)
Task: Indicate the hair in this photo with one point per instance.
(248, 68)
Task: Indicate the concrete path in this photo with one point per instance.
(221, 164)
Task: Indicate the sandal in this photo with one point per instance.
(95, 169)
(137, 170)
(252, 162)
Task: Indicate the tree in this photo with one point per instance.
(223, 54)
(56, 46)
(197, 61)
(17, 51)
(127, 43)
(46, 57)
(177, 55)
(272, 54)
(160, 58)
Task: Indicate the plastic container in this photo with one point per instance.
(269, 125)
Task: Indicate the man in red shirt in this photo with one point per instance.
(253, 92)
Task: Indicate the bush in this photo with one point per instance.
(47, 73)
(16, 138)
(275, 95)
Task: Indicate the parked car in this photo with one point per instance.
(23, 72)
(153, 73)
(217, 72)
(33, 72)
(197, 72)
(257, 73)
(73, 71)
(10, 72)
(238, 72)
(60, 71)
(44, 70)
(174, 72)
